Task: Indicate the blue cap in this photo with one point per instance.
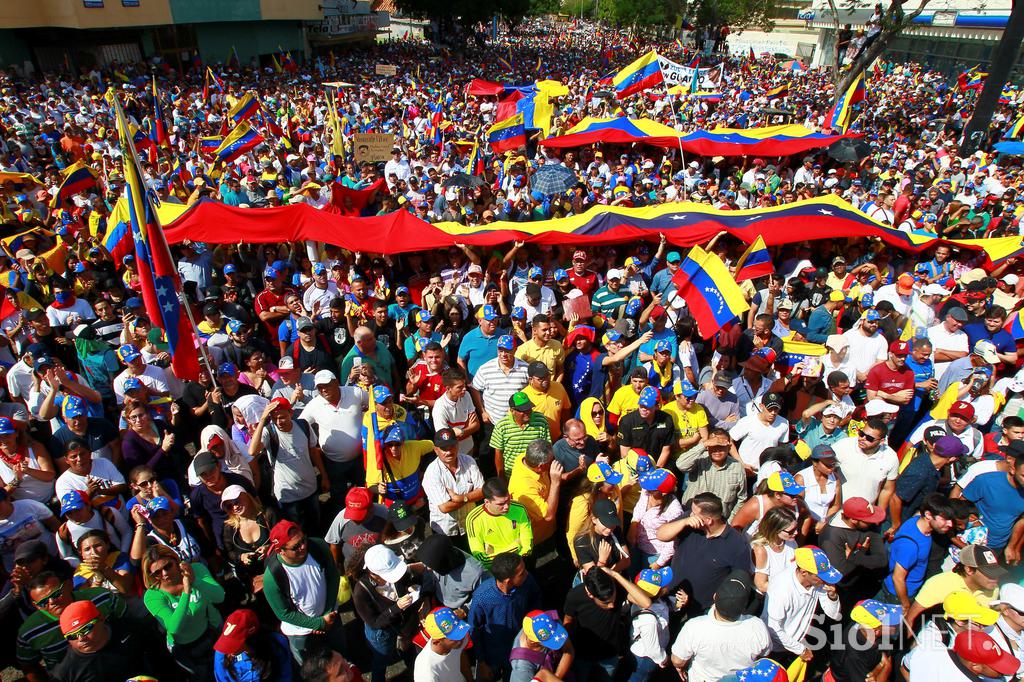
(489, 313)
(128, 352)
(42, 361)
(685, 388)
(534, 272)
(158, 503)
(270, 273)
(393, 434)
(506, 342)
(673, 257)
(319, 268)
(133, 302)
(132, 383)
(867, 300)
(73, 406)
(423, 315)
(229, 268)
(561, 274)
(227, 368)
(71, 501)
(602, 472)
(79, 268)
(35, 349)
(402, 290)
(280, 265)
(611, 336)
(634, 306)
(519, 313)
(6, 427)
(235, 325)
(663, 346)
(872, 316)
(381, 393)
(648, 397)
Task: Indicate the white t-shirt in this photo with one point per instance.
(943, 340)
(754, 436)
(338, 428)
(102, 469)
(863, 475)
(716, 648)
(434, 667)
(60, 317)
(865, 351)
(152, 377)
(31, 488)
(308, 591)
(24, 523)
(900, 303)
(450, 414)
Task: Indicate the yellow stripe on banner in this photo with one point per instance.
(789, 130)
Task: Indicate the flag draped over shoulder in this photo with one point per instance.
(642, 74)
(508, 134)
(755, 262)
(158, 276)
(710, 291)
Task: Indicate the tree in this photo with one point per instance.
(738, 15)
(894, 21)
(1004, 56)
(465, 12)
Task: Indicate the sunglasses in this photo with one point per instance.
(146, 482)
(867, 437)
(83, 631)
(40, 603)
(295, 547)
(157, 571)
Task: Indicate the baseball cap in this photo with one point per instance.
(905, 283)
(543, 627)
(287, 362)
(766, 354)
(771, 400)
(304, 323)
(950, 446)
(1014, 448)
(323, 377)
(442, 623)
(357, 504)
(423, 315)
(733, 595)
(579, 255)
(815, 561)
(381, 393)
(723, 380)
(489, 313)
(613, 273)
(534, 272)
(823, 451)
(836, 296)
(874, 614)
(859, 509)
(231, 493)
(229, 268)
(602, 472)
(899, 348)
(986, 350)
(7, 426)
(660, 480)
(401, 516)
(786, 304)
(963, 605)
(648, 398)
(239, 626)
(537, 370)
(393, 435)
(673, 257)
(281, 533)
(1010, 594)
(560, 275)
(127, 353)
(604, 510)
(158, 503)
(506, 342)
(72, 500)
(204, 462)
(962, 409)
(445, 438)
(77, 615)
(518, 313)
(783, 482)
(651, 580)
(520, 402)
(978, 647)
(958, 314)
(935, 289)
(836, 409)
(877, 406)
(983, 559)
(872, 315)
(226, 369)
(684, 388)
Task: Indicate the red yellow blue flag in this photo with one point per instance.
(642, 74)
(245, 108)
(841, 115)
(240, 140)
(755, 262)
(508, 134)
(709, 290)
(77, 178)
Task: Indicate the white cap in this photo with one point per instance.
(384, 564)
(614, 273)
(836, 409)
(1017, 382)
(1012, 595)
(1011, 280)
(934, 289)
(694, 164)
(324, 377)
(837, 342)
(232, 492)
(474, 268)
(878, 406)
(986, 350)
(287, 362)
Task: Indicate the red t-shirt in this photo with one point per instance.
(428, 386)
(881, 378)
(265, 300)
(587, 282)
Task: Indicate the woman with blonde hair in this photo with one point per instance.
(246, 534)
(599, 483)
(773, 545)
(182, 597)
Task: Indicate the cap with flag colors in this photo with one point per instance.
(709, 289)
(442, 623)
(875, 614)
(544, 628)
(813, 560)
(652, 580)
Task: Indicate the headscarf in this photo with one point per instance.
(585, 414)
(234, 460)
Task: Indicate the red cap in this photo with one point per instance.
(280, 534)
(76, 615)
(214, 440)
(357, 504)
(978, 647)
(579, 255)
(905, 281)
(282, 403)
(239, 626)
(900, 348)
(859, 509)
(962, 409)
(657, 312)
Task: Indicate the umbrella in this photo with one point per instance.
(554, 179)
(849, 149)
(792, 65)
(463, 180)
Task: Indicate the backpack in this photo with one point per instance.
(281, 578)
(274, 446)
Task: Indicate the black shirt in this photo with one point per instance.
(635, 432)
(98, 434)
(337, 337)
(852, 661)
(701, 563)
(597, 633)
(206, 504)
(118, 660)
(586, 546)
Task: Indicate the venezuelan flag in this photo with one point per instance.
(209, 145)
(118, 240)
(217, 82)
(642, 74)
(245, 108)
(795, 352)
(780, 140)
(77, 178)
(616, 130)
(777, 92)
(1015, 325)
(1014, 132)
(240, 140)
(755, 262)
(841, 115)
(711, 293)
(158, 131)
(508, 134)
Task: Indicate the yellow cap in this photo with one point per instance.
(964, 606)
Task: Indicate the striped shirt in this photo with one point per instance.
(40, 638)
(608, 302)
(496, 386)
(512, 439)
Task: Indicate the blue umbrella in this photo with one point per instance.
(554, 179)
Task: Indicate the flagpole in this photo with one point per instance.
(182, 298)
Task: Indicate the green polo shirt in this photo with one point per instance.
(512, 439)
(40, 638)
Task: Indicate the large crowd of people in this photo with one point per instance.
(435, 464)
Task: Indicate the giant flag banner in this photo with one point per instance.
(642, 74)
(77, 177)
(755, 262)
(240, 140)
(506, 135)
(711, 293)
(158, 276)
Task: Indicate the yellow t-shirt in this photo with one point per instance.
(624, 401)
(552, 354)
(688, 421)
(551, 404)
(530, 489)
(938, 587)
(406, 469)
